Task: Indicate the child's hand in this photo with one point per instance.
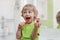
(22, 23)
(37, 22)
(37, 25)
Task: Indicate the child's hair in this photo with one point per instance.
(30, 7)
(58, 17)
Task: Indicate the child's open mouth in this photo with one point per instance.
(27, 18)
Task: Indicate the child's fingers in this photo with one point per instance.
(37, 22)
(22, 23)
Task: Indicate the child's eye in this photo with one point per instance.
(24, 12)
(30, 12)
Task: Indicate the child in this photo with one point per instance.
(29, 30)
(58, 19)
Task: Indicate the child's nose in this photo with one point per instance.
(27, 13)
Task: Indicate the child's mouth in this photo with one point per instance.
(27, 18)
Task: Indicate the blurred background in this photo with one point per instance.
(10, 17)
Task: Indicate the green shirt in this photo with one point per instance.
(27, 31)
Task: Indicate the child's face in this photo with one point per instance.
(28, 15)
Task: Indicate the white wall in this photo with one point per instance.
(56, 8)
(6, 8)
